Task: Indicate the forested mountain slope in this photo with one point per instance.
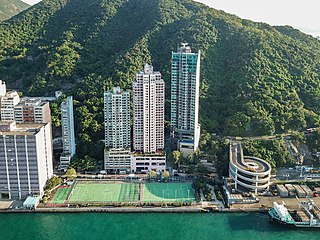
(255, 79)
(9, 8)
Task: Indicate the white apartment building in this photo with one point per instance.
(32, 111)
(25, 159)
(117, 119)
(148, 121)
(148, 111)
(8, 102)
(185, 82)
(68, 136)
(117, 155)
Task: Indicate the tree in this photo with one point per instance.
(190, 157)
(177, 157)
(202, 169)
(152, 174)
(84, 164)
(88, 163)
(71, 173)
(197, 155)
(166, 175)
(53, 182)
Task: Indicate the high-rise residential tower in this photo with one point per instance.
(68, 137)
(25, 159)
(148, 121)
(117, 155)
(117, 118)
(185, 81)
(148, 111)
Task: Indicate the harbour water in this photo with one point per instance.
(77, 226)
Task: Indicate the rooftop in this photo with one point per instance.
(11, 94)
(148, 69)
(158, 153)
(11, 128)
(31, 201)
(32, 102)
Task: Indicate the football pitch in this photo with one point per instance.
(104, 192)
(168, 192)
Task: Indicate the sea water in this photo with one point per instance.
(151, 226)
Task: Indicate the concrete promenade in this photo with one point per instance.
(110, 210)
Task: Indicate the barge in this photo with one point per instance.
(307, 216)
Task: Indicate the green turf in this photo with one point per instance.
(105, 192)
(61, 195)
(168, 192)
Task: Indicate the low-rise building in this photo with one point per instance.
(143, 163)
(31, 202)
(282, 191)
(7, 103)
(65, 159)
(117, 160)
(32, 111)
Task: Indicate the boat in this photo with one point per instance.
(307, 216)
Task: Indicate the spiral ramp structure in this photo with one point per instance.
(248, 173)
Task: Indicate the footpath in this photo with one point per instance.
(111, 210)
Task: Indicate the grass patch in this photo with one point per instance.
(61, 195)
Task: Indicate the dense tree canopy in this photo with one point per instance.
(255, 79)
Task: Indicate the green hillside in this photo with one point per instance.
(255, 79)
(9, 8)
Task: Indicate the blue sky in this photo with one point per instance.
(301, 14)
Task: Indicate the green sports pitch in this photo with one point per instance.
(168, 192)
(104, 192)
(61, 195)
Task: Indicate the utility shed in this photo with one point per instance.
(300, 191)
(282, 191)
(307, 190)
(31, 202)
(291, 189)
